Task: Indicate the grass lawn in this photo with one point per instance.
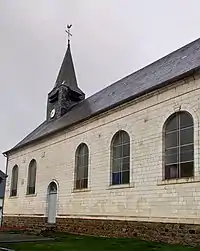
(85, 243)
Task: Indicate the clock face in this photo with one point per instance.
(53, 112)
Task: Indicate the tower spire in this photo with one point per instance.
(65, 93)
(67, 73)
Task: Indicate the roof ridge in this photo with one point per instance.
(146, 66)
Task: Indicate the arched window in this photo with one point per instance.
(81, 172)
(120, 158)
(14, 181)
(31, 177)
(179, 146)
(52, 188)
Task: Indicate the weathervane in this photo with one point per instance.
(68, 32)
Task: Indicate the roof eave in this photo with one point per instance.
(151, 89)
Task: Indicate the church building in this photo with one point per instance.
(123, 162)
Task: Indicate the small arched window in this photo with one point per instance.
(179, 146)
(31, 177)
(81, 172)
(120, 158)
(14, 181)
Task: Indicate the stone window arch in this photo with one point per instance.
(81, 170)
(179, 146)
(120, 158)
(14, 181)
(31, 177)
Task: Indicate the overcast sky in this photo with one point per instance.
(110, 40)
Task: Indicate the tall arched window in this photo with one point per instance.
(14, 181)
(31, 177)
(179, 146)
(120, 158)
(81, 172)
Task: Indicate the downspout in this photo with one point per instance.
(5, 155)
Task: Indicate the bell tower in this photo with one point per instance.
(66, 92)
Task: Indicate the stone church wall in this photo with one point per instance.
(187, 234)
(146, 199)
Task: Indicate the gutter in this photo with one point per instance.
(5, 155)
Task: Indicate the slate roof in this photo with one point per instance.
(174, 66)
(67, 72)
(3, 177)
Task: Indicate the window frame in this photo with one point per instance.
(177, 147)
(16, 176)
(120, 159)
(83, 182)
(31, 190)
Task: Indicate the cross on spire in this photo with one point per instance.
(67, 30)
(67, 75)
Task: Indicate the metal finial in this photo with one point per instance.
(68, 32)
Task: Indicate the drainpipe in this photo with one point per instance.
(5, 155)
